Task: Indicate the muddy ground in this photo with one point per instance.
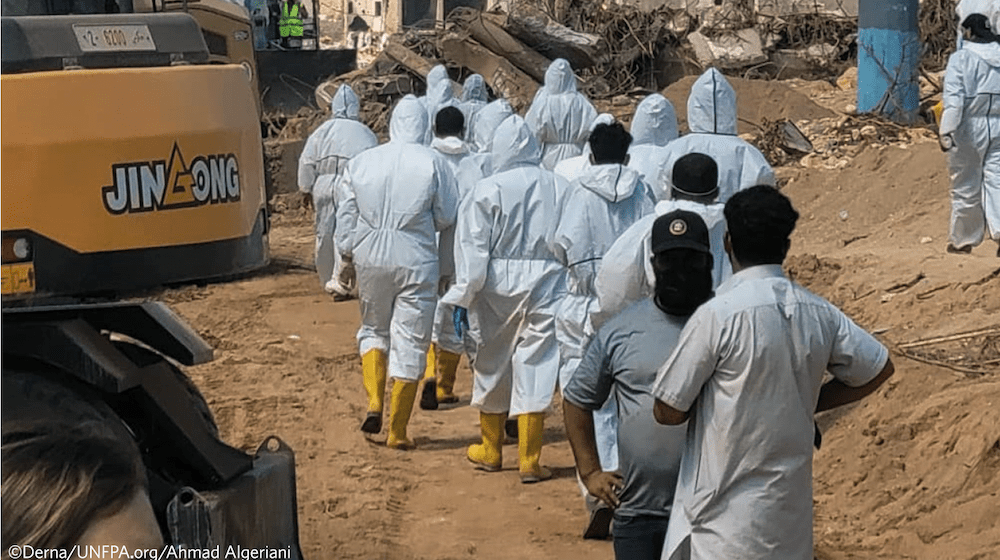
(911, 472)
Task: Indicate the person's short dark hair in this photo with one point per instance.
(58, 480)
(695, 176)
(609, 143)
(449, 121)
(760, 221)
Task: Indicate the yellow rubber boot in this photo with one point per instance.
(447, 368)
(374, 367)
(529, 448)
(428, 398)
(488, 456)
(404, 393)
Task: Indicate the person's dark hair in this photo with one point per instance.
(760, 221)
(57, 481)
(695, 177)
(449, 121)
(609, 143)
(979, 29)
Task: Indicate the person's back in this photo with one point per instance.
(654, 126)
(390, 212)
(473, 99)
(711, 114)
(754, 358)
(559, 116)
(970, 133)
(572, 168)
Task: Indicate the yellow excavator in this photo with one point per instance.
(132, 158)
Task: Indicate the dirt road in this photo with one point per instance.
(912, 472)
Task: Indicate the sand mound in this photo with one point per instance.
(756, 100)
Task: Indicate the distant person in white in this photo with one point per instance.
(748, 370)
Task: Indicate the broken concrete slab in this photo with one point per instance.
(547, 36)
(496, 39)
(736, 50)
(503, 77)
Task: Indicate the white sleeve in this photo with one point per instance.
(308, 163)
(856, 356)
(692, 363)
(621, 279)
(473, 233)
(347, 214)
(954, 95)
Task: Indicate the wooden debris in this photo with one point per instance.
(502, 76)
(951, 338)
(903, 286)
(409, 59)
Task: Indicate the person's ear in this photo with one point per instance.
(727, 243)
(591, 157)
(627, 158)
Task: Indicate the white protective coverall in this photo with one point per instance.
(572, 168)
(509, 278)
(473, 99)
(560, 116)
(395, 197)
(484, 123)
(653, 127)
(454, 151)
(711, 113)
(600, 206)
(972, 115)
(323, 159)
(626, 274)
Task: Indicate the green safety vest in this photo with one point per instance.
(290, 24)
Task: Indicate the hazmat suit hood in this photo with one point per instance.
(989, 52)
(487, 121)
(345, 104)
(988, 8)
(514, 144)
(409, 121)
(474, 89)
(655, 122)
(712, 105)
(612, 181)
(437, 75)
(559, 78)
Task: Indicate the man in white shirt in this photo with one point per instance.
(748, 370)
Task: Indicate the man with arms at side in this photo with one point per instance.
(748, 371)
(622, 359)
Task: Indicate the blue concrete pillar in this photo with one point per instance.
(889, 58)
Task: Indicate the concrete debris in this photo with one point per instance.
(731, 50)
(503, 77)
(549, 37)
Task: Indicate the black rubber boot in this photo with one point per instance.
(372, 423)
(429, 399)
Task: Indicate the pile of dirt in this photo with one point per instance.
(756, 100)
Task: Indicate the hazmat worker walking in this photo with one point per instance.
(508, 282)
(711, 115)
(396, 196)
(654, 126)
(970, 133)
(559, 116)
(447, 347)
(572, 168)
(604, 202)
(474, 98)
(626, 274)
(323, 160)
(290, 27)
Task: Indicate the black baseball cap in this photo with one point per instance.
(696, 174)
(680, 229)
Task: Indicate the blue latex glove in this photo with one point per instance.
(460, 318)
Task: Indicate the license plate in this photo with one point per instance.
(104, 38)
(17, 278)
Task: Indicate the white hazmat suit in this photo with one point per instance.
(711, 114)
(560, 116)
(509, 278)
(653, 127)
(323, 159)
(626, 274)
(473, 99)
(396, 196)
(572, 168)
(972, 117)
(602, 204)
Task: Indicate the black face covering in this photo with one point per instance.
(683, 282)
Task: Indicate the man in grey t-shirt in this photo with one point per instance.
(624, 357)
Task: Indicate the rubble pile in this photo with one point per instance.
(937, 31)
(837, 140)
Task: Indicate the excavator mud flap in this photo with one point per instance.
(258, 510)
